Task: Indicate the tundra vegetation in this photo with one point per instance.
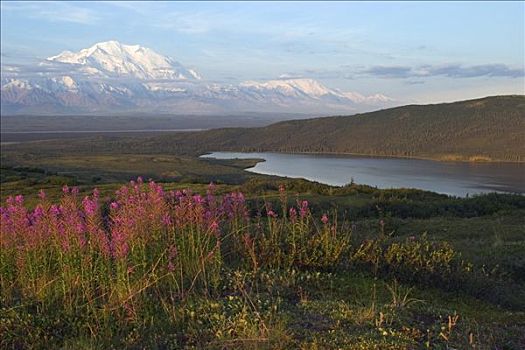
(268, 263)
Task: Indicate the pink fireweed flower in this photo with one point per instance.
(282, 188)
(113, 205)
(42, 195)
(101, 240)
(233, 205)
(37, 214)
(303, 210)
(55, 210)
(119, 244)
(240, 197)
(73, 219)
(80, 227)
(4, 214)
(324, 219)
(166, 220)
(198, 199)
(157, 190)
(16, 224)
(293, 214)
(19, 199)
(214, 228)
(90, 206)
(65, 189)
(269, 210)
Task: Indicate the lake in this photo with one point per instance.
(452, 178)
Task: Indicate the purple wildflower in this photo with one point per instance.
(293, 214)
(303, 210)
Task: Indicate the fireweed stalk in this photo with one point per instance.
(145, 241)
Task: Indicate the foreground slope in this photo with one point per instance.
(491, 129)
(150, 266)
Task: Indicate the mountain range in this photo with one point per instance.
(111, 77)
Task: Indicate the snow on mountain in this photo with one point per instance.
(111, 76)
(312, 89)
(12, 84)
(358, 98)
(291, 87)
(66, 83)
(114, 59)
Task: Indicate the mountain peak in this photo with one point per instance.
(114, 59)
(295, 86)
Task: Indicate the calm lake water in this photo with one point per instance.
(452, 178)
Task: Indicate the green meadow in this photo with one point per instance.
(384, 269)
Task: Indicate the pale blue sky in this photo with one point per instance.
(413, 51)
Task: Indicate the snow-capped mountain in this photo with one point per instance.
(112, 77)
(311, 89)
(113, 59)
(290, 87)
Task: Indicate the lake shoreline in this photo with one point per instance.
(365, 155)
(451, 178)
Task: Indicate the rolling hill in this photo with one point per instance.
(486, 129)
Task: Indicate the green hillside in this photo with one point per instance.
(491, 128)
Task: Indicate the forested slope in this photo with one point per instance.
(491, 128)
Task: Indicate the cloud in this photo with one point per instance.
(491, 70)
(43, 69)
(160, 15)
(196, 23)
(285, 76)
(446, 70)
(53, 11)
(389, 71)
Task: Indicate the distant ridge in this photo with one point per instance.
(485, 129)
